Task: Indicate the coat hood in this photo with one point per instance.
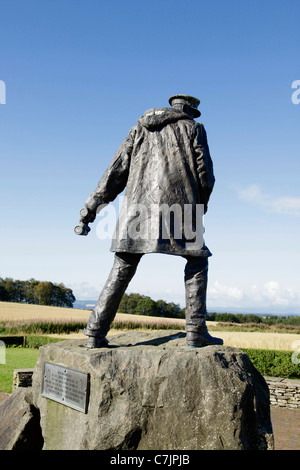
(159, 117)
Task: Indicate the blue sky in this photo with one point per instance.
(78, 74)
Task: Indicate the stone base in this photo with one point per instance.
(149, 391)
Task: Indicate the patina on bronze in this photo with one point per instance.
(164, 161)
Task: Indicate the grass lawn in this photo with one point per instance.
(16, 358)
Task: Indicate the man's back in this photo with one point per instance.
(164, 161)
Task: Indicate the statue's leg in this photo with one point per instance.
(103, 314)
(195, 277)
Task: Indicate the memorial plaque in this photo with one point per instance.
(67, 386)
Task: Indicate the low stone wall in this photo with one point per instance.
(22, 378)
(284, 393)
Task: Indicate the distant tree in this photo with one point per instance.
(138, 304)
(251, 318)
(4, 297)
(28, 291)
(211, 316)
(227, 317)
(174, 311)
(129, 303)
(146, 306)
(161, 306)
(13, 291)
(123, 304)
(48, 293)
(65, 296)
(36, 292)
(44, 292)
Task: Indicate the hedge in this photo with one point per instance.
(28, 341)
(273, 363)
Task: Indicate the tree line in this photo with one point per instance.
(252, 318)
(36, 292)
(138, 304)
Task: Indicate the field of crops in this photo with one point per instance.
(25, 313)
(11, 311)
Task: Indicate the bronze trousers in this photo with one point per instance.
(123, 270)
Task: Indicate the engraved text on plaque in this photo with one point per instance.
(67, 386)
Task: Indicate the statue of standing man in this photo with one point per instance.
(165, 165)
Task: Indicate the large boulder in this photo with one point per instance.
(20, 422)
(148, 391)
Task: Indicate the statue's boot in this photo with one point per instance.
(103, 314)
(195, 279)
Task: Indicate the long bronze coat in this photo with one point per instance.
(164, 161)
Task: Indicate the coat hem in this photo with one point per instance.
(199, 254)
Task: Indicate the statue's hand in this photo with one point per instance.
(82, 229)
(87, 216)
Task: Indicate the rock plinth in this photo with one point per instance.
(148, 391)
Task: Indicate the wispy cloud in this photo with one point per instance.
(85, 290)
(269, 296)
(226, 293)
(280, 205)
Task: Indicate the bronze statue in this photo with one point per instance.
(165, 165)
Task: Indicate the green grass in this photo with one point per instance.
(16, 358)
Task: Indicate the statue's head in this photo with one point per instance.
(186, 103)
